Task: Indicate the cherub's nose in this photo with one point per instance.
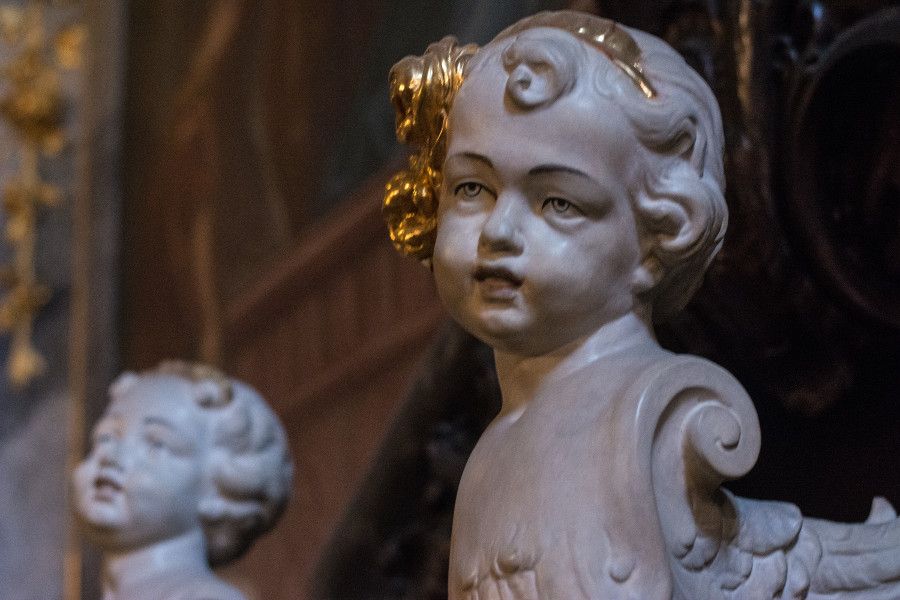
(501, 232)
(108, 452)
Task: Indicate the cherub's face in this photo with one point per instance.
(537, 244)
(142, 481)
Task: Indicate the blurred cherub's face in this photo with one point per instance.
(536, 244)
(142, 481)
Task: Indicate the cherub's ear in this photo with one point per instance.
(675, 217)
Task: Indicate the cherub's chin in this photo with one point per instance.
(499, 328)
(99, 514)
(495, 290)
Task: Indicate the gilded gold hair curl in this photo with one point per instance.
(422, 89)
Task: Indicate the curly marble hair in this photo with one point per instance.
(249, 467)
(679, 203)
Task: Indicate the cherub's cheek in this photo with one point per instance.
(446, 251)
(82, 475)
(458, 238)
(449, 275)
(446, 274)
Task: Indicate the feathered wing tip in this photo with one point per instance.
(750, 559)
(857, 561)
(771, 551)
(767, 549)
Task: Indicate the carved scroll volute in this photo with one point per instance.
(696, 428)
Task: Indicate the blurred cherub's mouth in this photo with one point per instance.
(497, 275)
(106, 485)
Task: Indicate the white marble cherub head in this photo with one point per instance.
(569, 172)
(183, 448)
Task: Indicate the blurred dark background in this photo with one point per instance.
(226, 209)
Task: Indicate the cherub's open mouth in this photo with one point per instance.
(497, 284)
(107, 486)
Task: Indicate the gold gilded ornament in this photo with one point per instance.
(422, 90)
(33, 108)
(69, 44)
(25, 364)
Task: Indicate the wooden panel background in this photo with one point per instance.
(332, 340)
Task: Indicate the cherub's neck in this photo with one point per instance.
(522, 377)
(126, 572)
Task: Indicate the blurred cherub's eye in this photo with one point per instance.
(470, 189)
(155, 442)
(162, 440)
(560, 206)
(102, 436)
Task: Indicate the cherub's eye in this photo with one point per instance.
(470, 189)
(164, 441)
(561, 206)
(155, 442)
(102, 436)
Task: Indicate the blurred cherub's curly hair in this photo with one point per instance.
(249, 469)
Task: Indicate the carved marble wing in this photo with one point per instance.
(698, 428)
(859, 560)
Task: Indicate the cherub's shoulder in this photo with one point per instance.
(683, 368)
(670, 376)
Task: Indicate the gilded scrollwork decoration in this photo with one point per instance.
(32, 106)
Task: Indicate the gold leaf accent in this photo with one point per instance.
(17, 229)
(14, 197)
(53, 142)
(25, 363)
(69, 45)
(34, 106)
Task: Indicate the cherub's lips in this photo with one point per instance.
(107, 486)
(497, 283)
(499, 273)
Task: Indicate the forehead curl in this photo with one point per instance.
(546, 64)
(543, 66)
